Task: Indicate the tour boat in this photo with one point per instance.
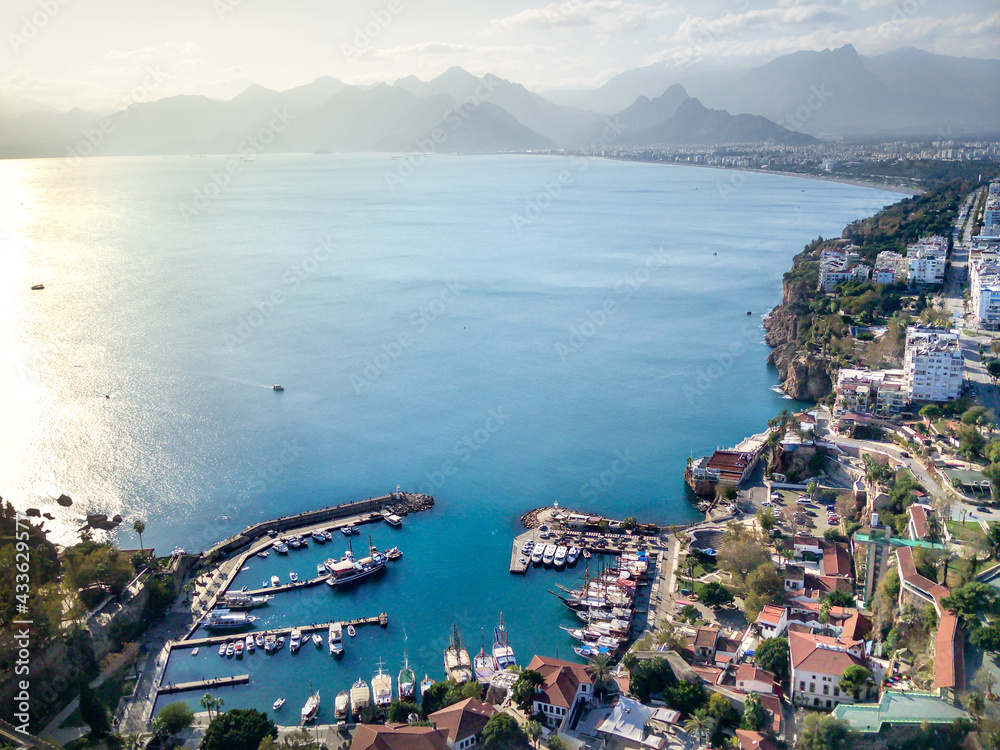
(311, 708)
(483, 667)
(503, 654)
(382, 687)
(457, 665)
(336, 638)
(360, 696)
(225, 619)
(278, 704)
(559, 559)
(342, 704)
(406, 680)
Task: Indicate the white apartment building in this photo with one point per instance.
(882, 392)
(926, 259)
(837, 265)
(932, 364)
(890, 268)
(984, 282)
(817, 665)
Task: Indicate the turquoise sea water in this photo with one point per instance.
(473, 333)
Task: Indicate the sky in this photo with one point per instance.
(103, 53)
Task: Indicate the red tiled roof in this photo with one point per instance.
(816, 653)
(826, 584)
(805, 540)
(754, 740)
(706, 637)
(748, 672)
(919, 516)
(771, 614)
(836, 561)
(773, 707)
(730, 464)
(398, 737)
(463, 719)
(562, 679)
(949, 657)
(857, 627)
(908, 572)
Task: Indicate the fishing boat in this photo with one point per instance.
(457, 664)
(281, 548)
(275, 581)
(295, 543)
(425, 684)
(263, 554)
(406, 680)
(342, 705)
(559, 560)
(549, 554)
(360, 696)
(573, 555)
(318, 537)
(351, 631)
(304, 541)
(503, 654)
(278, 387)
(347, 531)
(251, 644)
(311, 708)
(317, 640)
(327, 536)
(276, 706)
(382, 687)
(336, 638)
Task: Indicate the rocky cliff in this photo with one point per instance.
(805, 375)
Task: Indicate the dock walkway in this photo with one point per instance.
(214, 682)
(214, 640)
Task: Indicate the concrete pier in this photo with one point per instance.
(214, 640)
(214, 682)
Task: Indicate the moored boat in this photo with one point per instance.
(311, 708)
(342, 704)
(382, 687)
(259, 640)
(336, 638)
(318, 537)
(317, 640)
(225, 619)
(281, 548)
(293, 577)
(360, 696)
(275, 581)
(276, 706)
(296, 640)
(457, 665)
(549, 554)
(406, 680)
(573, 555)
(251, 644)
(559, 559)
(537, 553)
(503, 654)
(483, 667)
(222, 649)
(425, 684)
(351, 631)
(238, 649)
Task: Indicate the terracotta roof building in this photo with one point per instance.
(463, 722)
(398, 737)
(753, 679)
(566, 685)
(704, 644)
(754, 740)
(836, 561)
(817, 663)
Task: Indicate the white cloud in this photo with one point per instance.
(605, 15)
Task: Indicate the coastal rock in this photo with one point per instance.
(33, 512)
(64, 500)
(804, 376)
(102, 522)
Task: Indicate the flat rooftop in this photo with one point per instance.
(898, 707)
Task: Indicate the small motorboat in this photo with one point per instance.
(37, 287)
(394, 553)
(321, 569)
(230, 650)
(343, 698)
(251, 644)
(222, 649)
(293, 577)
(295, 543)
(425, 684)
(278, 704)
(317, 640)
(281, 548)
(263, 554)
(278, 387)
(318, 537)
(238, 649)
(351, 631)
(259, 639)
(327, 535)
(275, 581)
(347, 530)
(195, 652)
(280, 643)
(585, 554)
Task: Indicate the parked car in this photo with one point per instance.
(983, 509)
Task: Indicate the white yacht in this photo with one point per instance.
(336, 638)
(559, 559)
(549, 554)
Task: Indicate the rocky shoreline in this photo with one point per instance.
(805, 376)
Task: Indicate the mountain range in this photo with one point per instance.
(791, 100)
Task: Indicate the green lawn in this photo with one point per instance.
(968, 533)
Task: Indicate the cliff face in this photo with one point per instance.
(805, 376)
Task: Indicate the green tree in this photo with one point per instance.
(993, 370)
(502, 732)
(534, 730)
(523, 691)
(824, 732)
(763, 586)
(238, 729)
(766, 519)
(399, 711)
(175, 717)
(370, 715)
(715, 594)
(971, 599)
(433, 699)
(599, 670)
(139, 526)
(556, 742)
(772, 655)
(930, 412)
(754, 715)
(838, 598)
(685, 696)
(700, 725)
(724, 712)
(211, 703)
(93, 712)
(688, 613)
(855, 680)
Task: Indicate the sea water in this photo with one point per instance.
(502, 332)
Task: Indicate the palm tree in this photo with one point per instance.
(599, 670)
(534, 730)
(700, 724)
(139, 526)
(210, 702)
